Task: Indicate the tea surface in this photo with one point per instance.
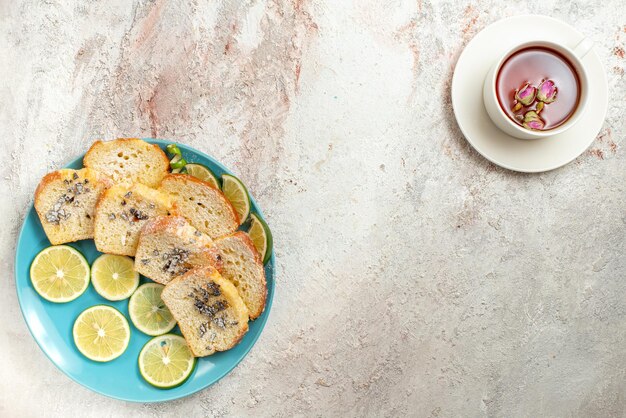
(533, 66)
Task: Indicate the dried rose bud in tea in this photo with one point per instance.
(526, 95)
(547, 92)
(533, 121)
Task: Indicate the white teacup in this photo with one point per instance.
(500, 118)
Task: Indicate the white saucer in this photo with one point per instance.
(530, 156)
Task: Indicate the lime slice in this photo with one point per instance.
(114, 276)
(203, 173)
(166, 361)
(261, 237)
(59, 273)
(237, 194)
(148, 312)
(101, 333)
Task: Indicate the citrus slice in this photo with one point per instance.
(59, 273)
(203, 173)
(261, 237)
(237, 194)
(166, 361)
(101, 333)
(114, 276)
(148, 312)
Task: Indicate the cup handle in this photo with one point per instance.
(583, 48)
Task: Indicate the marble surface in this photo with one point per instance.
(413, 277)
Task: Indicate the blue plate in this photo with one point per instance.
(51, 323)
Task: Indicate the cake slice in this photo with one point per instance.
(65, 201)
(120, 214)
(209, 311)
(205, 207)
(169, 246)
(128, 160)
(242, 266)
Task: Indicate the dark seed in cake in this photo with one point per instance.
(174, 261)
(56, 214)
(210, 310)
(138, 215)
(201, 302)
(214, 289)
(203, 329)
(52, 217)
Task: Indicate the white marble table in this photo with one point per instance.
(414, 277)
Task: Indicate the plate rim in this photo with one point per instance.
(263, 319)
(484, 153)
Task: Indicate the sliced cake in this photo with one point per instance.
(120, 214)
(242, 266)
(169, 246)
(65, 201)
(209, 311)
(128, 160)
(205, 207)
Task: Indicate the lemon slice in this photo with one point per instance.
(237, 194)
(59, 273)
(261, 236)
(114, 276)
(203, 173)
(101, 333)
(148, 312)
(166, 361)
